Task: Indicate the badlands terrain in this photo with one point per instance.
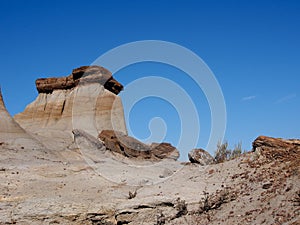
(67, 159)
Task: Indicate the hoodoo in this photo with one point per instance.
(86, 99)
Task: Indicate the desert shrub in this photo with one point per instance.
(237, 151)
(160, 219)
(205, 204)
(181, 207)
(132, 195)
(223, 154)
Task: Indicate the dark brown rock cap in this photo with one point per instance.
(117, 142)
(80, 76)
(277, 148)
(271, 142)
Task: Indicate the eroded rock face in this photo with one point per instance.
(81, 75)
(164, 150)
(276, 148)
(12, 133)
(130, 147)
(87, 141)
(80, 101)
(201, 157)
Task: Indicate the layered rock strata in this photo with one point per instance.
(276, 148)
(84, 100)
(81, 75)
(11, 133)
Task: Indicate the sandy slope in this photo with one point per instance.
(67, 190)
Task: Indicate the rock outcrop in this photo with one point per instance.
(127, 146)
(276, 148)
(201, 157)
(11, 132)
(81, 75)
(84, 100)
(164, 151)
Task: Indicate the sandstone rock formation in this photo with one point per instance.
(11, 133)
(81, 75)
(119, 180)
(275, 148)
(164, 151)
(201, 157)
(128, 146)
(84, 100)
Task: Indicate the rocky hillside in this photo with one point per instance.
(64, 162)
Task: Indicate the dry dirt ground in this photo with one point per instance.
(40, 186)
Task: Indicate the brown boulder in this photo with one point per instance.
(276, 148)
(201, 157)
(81, 75)
(128, 146)
(164, 150)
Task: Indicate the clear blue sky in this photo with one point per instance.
(252, 47)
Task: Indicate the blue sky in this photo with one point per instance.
(252, 47)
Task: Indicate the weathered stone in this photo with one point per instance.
(86, 140)
(11, 132)
(263, 141)
(89, 106)
(130, 147)
(276, 148)
(164, 151)
(201, 157)
(79, 76)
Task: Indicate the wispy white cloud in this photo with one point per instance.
(248, 98)
(286, 98)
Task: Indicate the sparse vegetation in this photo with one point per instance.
(160, 219)
(223, 154)
(214, 201)
(237, 151)
(181, 208)
(132, 195)
(296, 199)
(205, 205)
